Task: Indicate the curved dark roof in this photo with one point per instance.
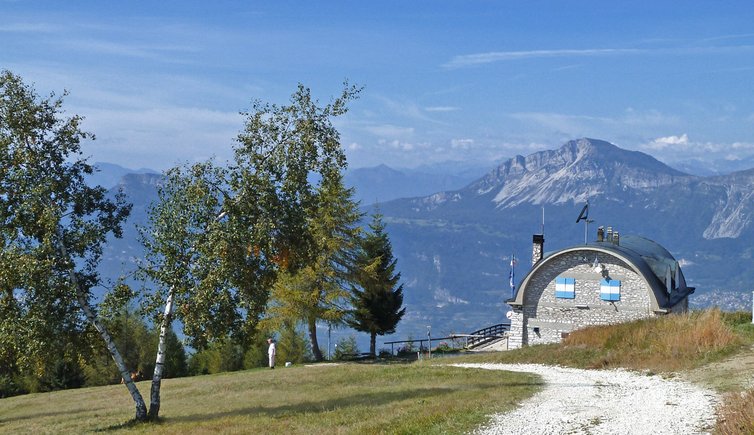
(648, 259)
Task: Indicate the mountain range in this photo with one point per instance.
(454, 244)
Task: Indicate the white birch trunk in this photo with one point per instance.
(141, 407)
(159, 366)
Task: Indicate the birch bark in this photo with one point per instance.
(159, 366)
(141, 407)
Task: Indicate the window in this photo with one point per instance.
(565, 288)
(610, 290)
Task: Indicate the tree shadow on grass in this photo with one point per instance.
(308, 407)
(37, 415)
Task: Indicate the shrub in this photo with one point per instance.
(346, 348)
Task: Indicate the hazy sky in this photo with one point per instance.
(163, 82)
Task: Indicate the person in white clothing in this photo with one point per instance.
(271, 352)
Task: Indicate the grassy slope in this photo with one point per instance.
(662, 344)
(349, 398)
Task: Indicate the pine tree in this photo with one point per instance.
(377, 299)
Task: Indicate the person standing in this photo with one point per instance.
(271, 352)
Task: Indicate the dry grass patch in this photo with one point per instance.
(659, 344)
(348, 398)
(667, 343)
(736, 416)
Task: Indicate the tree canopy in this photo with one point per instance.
(52, 228)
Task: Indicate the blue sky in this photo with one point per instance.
(475, 81)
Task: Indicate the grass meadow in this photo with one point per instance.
(324, 398)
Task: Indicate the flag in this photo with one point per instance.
(512, 275)
(513, 285)
(584, 215)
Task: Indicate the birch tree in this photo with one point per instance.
(219, 237)
(53, 225)
(186, 248)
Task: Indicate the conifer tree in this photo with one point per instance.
(377, 298)
(319, 290)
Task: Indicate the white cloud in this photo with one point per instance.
(396, 144)
(164, 53)
(160, 137)
(354, 146)
(662, 143)
(28, 28)
(678, 148)
(569, 126)
(442, 109)
(469, 60)
(390, 130)
(463, 144)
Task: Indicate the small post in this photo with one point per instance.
(429, 341)
(752, 307)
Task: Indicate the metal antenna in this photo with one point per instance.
(543, 220)
(584, 216)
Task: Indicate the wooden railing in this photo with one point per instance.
(486, 335)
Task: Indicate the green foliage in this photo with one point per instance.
(317, 289)
(293, 345)
(218, 237)
(217, 357)
(377, 299)
(346, 348)
(52, 230)
(137, 342)
(185, 248)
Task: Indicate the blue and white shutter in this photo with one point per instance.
(610, 290)
(565, 288)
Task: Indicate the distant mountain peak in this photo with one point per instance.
(579, 169)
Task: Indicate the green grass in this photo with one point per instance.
(347, 398)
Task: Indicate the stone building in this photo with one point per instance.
(615, 279)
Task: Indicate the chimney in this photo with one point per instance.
(609, 234)
(537, 250)
(601, 234)
(616, 238)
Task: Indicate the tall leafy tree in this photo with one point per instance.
(377, 298)
(218, 237)
(187, 243)
(319, 289)
(52, 225)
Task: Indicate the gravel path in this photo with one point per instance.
(578, 401)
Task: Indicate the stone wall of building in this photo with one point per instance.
(544, 318)
(518, 330)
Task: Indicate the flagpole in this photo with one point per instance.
(512, 275)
